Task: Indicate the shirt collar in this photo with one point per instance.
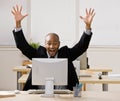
(49, 55)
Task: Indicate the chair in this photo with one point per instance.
(83, 61)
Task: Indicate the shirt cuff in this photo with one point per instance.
(17, 29)
(88, 31)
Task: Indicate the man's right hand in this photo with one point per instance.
(16, 11)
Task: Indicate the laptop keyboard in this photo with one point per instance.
(55, 91)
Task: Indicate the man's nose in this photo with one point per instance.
(51, 46)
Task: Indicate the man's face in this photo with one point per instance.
(52, 44)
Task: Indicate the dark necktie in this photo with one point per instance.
(51, 56)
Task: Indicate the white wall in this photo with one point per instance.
(110, 55)
(9, 58)
(7, 22)
(55, 16)
(106, 24)
(104, 57)
(9, 55)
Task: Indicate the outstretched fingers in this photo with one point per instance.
(16, 9)
(90, 11)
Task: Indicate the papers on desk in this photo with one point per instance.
(7, 94)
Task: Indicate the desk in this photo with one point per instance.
(23, 78)
(21, 70)
(86, 80)
(104, 72)
(104, 80)
(86, 96)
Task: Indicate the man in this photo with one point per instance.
(51, 48)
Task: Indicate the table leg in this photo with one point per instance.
(105, 86)
(18, 85)
(84, 87)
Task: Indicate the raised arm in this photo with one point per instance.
(19, 37)
(17, 12)
(80, 47)
(88, 18)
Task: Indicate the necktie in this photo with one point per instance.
(51, 56)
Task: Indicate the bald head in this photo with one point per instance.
(52, 35)
(52, 43)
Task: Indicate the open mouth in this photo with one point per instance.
(52, 52)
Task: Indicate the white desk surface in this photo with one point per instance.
(86, 96)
